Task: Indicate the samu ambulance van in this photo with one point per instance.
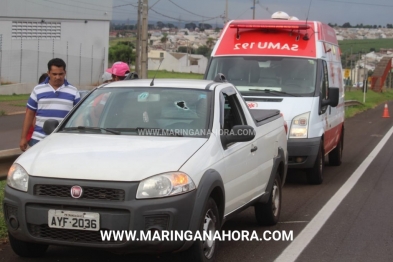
(293, 66)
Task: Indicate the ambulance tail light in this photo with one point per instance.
(285, 123)
(270, 26)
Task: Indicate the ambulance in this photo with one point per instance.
(294, 66)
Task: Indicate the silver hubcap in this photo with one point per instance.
(275, 198)
(209, 226)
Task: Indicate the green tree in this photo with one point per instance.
(210, 42)
(204, 50)
(182, 49)
(122, 51)
(164, 39)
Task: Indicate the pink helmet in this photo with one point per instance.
(119, 69)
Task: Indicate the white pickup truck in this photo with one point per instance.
(144, 156)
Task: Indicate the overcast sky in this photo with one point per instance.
(375, 12)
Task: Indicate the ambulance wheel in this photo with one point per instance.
(315, 174)
(209, 222)
(26, 249)
(337, 153)
(268, 214)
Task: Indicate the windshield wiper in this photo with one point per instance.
(89, 128)
(273, 92)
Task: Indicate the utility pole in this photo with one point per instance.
(1, 54)
(145, 8)
(364, 78)
(357, 68)
(253, 11)
(138, 40)
(351, 69)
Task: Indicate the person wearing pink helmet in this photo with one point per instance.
(119, 71)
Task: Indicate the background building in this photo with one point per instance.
(33, 32)
(177, 62)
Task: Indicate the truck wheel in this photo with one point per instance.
(269, 213)
(210, 222)
(315, 174)
(27, 249)
(336, 154)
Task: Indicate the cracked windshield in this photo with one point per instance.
(142, 111)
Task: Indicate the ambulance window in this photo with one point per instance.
(324, 80)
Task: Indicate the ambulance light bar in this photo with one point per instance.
(270, 26)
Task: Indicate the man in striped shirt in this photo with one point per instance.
(52, 99)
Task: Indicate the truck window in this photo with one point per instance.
(233, 113)
(324, 85)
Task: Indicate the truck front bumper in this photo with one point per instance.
(303, 152)
(26, 214)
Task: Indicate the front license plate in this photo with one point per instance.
(73, 220)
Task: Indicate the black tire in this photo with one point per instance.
(26, 249)
(268, 214)
(336, 154)
(315, 174)
(204, 251)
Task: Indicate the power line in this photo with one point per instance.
(93, 4)
(266, 9)
(134, 5)
(74, 11)
(76, 6)
(355, 3)
(187, 10)
(243, 13)
(177, 19)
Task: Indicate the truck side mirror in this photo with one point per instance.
(333, 98)
(50, 125)
(239, 133)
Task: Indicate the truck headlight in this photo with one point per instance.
(163, 185)
(299, 126)
(18, 178)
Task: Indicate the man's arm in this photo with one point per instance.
(29, 118)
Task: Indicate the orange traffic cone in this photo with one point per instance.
(386, 111)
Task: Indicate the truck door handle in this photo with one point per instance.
(254, 148)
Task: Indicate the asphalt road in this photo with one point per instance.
(360, 229)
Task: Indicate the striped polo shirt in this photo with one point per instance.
(49, 103)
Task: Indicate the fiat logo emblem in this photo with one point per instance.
(76, 191)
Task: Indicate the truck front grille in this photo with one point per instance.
(91, 193)
(69, 235)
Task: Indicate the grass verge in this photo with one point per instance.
(373, 99)
(14, 97)
(19, 104)
(167, 74)
(3, 229)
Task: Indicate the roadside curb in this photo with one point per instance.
(10, 153)
(15, 113)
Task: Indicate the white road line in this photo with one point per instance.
(292, 252)
(293, 222)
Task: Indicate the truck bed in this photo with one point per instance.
(262, 115)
